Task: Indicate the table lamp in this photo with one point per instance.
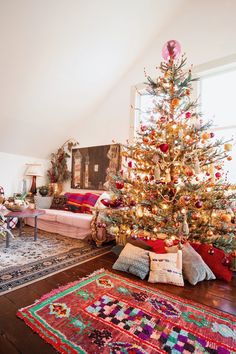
(34, 170)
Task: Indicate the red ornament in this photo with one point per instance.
(211, 251)
(164, 147)
(212, 135)
(189, 172)
(130, 164)
(119, 184)
(132, 203)
(218, 174)
(188, 115)
(115, 203)
(106, 202)
(226, 261)
(198, 204)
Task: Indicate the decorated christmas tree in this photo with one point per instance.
(172, 184)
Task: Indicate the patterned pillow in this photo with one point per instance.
(166, 268)
(74, 198)
(89, 201)
(194, 267)
(59, 202)
(133, 260)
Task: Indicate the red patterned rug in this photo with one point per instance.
(106, 313)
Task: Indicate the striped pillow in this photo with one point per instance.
(89, 201)
(166, 268)
(75, 199)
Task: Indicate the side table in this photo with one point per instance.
(27, 213)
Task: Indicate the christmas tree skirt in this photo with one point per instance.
(106, 313)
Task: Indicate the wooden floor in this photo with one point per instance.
(16, 337)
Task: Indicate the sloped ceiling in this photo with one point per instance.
(59, 59)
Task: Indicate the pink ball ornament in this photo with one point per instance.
(188, 115)
(218, 174)
(171, 50)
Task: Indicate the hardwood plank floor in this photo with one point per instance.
(16, 337)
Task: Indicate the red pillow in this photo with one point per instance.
(158, 246)
(215, 258)
(89, 201)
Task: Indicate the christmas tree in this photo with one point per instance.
(172, 184)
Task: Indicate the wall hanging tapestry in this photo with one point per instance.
(90, 165)
(26, 261)
(106, 313)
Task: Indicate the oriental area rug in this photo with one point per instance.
(107, 313)
(26, 261)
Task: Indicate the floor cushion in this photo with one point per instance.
(166, 268)
(133, 260)
(194, 268)
(215, 258)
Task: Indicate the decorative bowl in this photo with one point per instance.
(15, 207)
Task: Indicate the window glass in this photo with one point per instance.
(218, 103)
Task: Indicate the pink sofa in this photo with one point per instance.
(65, 223)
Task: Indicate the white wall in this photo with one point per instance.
(204, 28)
(12, 169)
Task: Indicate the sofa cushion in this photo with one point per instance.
(50, 215)
(82, 221)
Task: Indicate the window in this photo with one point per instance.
(143, 104)
(218, 103)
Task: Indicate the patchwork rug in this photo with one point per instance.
(106, 313)
(26, 261)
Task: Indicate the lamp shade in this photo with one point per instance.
(33, 169)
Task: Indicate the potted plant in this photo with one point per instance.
(59, 172)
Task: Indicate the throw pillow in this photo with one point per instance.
(59, 202)
(194, 267)
(74, 198)
(74, 202)
(215, 258)
(89, 201)
(157, 246)
(166, 268)
(117, 249)
(133, 260)
(139, 243)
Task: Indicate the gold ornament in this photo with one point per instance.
(225, 217)
(228, 147)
